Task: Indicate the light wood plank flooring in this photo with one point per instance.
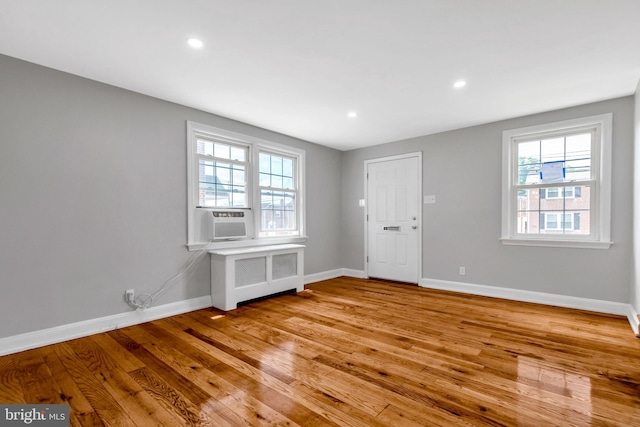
(345, 352)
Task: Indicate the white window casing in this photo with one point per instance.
(597, 185)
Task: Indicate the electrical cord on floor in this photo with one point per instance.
(144, 301)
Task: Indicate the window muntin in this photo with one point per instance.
(556, 188)
(278, 194)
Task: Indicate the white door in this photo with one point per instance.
(393, 218)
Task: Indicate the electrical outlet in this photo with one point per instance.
(462, 271)
(129, 295)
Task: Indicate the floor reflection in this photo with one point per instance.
(553, 392)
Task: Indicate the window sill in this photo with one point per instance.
(581, 244)
(232, 244)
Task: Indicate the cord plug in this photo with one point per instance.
(129, 296)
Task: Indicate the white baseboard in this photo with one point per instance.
(71, 331)
(632, 315)
(358, 274)
(599, 306)
(324, 275)
(332, 274)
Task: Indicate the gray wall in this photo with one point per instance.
(634, 297)
(463, 168)
(93, 197)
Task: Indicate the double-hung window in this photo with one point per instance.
(235, 172)
(556, 188)
(278, 193)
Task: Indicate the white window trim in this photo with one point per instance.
(601, 213)
(255, 145)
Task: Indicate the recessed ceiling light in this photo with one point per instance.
(352, 114)
(459, 84)
(195, 43)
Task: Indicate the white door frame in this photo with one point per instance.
(417, 154)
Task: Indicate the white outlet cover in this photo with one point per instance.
(429, 199)
(361, 203)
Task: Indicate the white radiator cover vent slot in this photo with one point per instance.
(285, 265)
(251, 271)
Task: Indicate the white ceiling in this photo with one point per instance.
(299, 66)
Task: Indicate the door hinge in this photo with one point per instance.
(367, 217)
(367, 258)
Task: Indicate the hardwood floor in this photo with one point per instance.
(345, 352)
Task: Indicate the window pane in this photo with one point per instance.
(528, 162)
(579, 146)
(239, 154)
(528, 173)
(529, 150)
(265, 180)
(578, 170)
(276, 181)
(223, 172)
(276, 165)
(204, 147)
(287, 168)
(221, 151)
(238, 197)
(278, 210)
(552, 150)
(239, 176)
(287, 183)
(578, 165)
(265, 163)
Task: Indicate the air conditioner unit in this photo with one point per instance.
(229, 225)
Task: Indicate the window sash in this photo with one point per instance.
(592, 185)
(591, 182)
(279, 195)
(592, 130)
